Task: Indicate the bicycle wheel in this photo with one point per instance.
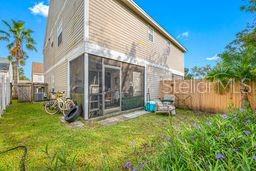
(61, 106)
(70, 104)
(51, 107)
(67, 106)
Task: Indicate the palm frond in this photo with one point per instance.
(22, 62)
(6, 34)
(10, 58)
(19, 25)
(10, 46)
(31, 47)
(7, 24)
(4, 38)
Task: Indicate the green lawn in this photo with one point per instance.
(95, 146)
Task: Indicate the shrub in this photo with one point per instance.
(224, 142)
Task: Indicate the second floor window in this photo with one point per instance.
(59, 34)
(151, 34)
(59, 39)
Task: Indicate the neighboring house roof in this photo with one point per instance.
(4, 64)
(24, 81)
(138, 10)
(37, 68)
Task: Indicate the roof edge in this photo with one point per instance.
(136, 8)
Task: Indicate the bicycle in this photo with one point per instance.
(60, 104)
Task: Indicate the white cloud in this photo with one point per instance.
(214, 58)
(184, 35)
(40, 9)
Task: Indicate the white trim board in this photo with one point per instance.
(76, 52)
(86, 86)
(97, 50)
(111, 54)
(104, 52)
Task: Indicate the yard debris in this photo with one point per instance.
(220, 156)
(128, 165)
(247, 133)
(76, 124)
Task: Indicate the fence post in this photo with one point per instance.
(1, 95)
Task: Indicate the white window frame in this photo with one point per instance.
(151, 31)
(59, 32)
(137, 82)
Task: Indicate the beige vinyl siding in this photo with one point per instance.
(72, 19)
(176, 60)
(57, 78)
(48, 80)
(114, 26)
(54, 9)
(61, 77)
(154, 76)
(73, 27)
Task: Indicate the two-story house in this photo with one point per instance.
(37, 72)
(108, 55)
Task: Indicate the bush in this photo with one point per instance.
(224, 142)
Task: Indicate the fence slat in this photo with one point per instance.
(205, 95)
(4, 92)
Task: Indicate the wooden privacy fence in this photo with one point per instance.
(206, 96)
(5, 92)
(29, 92)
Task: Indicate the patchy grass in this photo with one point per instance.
(53, 145)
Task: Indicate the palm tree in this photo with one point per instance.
(19, 38)
(3, 36)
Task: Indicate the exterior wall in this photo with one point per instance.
(71, 14)
(176, 59)
(114, 26)
(57, 78)
(153, 78)
(38, 78)
(177, 77)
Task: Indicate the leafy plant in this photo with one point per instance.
(59, 160)
(22, 75)
(238, 61)
(225, 142)
(197, 72)
(188, 75)
(250, 6)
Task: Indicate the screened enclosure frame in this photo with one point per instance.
(104, 87)
(130, 96)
